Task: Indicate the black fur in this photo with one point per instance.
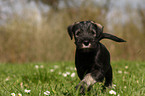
(91, 57)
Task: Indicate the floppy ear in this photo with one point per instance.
(70, 32)
(112, 37)
(106, 35)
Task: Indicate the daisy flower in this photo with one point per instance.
(19, 94)
(73, 75)
(21, 84)
(36, 66)
(13, 94)
(47, 93)
(51, 70)
(126, 67)
(64, 74)
(68, 73)
(55, 66)
(137, 81)
(112, 92)
(120, 72)
(27, 91)
(7, 78)
(125, 72)
(114, 86)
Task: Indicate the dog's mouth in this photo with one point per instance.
(86, 46)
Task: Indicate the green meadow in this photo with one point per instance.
(60, 78)
(40, 35)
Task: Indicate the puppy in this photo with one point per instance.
(92, 59)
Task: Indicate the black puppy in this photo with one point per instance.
(92, 59)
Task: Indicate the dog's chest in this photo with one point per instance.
(84, 61)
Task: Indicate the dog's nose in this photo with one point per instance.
(86, 43)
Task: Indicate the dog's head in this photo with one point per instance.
(87, 34)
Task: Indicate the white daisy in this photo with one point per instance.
(126, 67)
(125, 72)
(68, 73)
(13, 94)
(73, 75)
(119, 71)
(36, 66)
(47, 93)
(27, 91)
(7, 78)
(55, 66)
(64, 74)
(114, 86)
(137, 81)
(112, 92)
(19, 94)
(51, 70)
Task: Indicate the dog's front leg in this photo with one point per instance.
(86, 83)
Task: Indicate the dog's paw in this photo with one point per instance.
(108, 85)
(82, 88)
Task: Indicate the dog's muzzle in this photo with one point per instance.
(86, 44)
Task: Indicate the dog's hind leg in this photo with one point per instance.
(108, 78)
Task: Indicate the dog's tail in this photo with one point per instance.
(112, 37)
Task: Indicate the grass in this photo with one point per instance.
(15, 78)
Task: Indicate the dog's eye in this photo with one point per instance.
(77, 33)
(93, 32)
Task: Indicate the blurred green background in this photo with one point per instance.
(36, 30)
